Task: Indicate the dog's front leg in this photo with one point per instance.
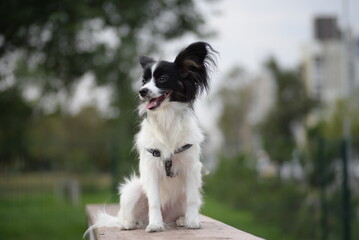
(194, 198)
(154, 208)
(150, 181)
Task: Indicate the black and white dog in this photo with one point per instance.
(169, 186)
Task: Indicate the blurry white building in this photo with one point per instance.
(331, 61)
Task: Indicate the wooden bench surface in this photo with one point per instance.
(211, 229)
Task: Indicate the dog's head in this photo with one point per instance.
(179, 81)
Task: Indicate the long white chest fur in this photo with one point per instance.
(167, 130)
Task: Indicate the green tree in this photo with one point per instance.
(325, 139)
(291, 106)
(236, 106)
(14, 117)
(77, 143)
(56, 42)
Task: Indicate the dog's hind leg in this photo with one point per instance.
(133, 204)
(133, 208)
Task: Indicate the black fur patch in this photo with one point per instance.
(187, 76)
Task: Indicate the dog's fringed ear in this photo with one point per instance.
(146, 61)
(194, 63)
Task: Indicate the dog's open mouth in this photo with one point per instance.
(156, 102)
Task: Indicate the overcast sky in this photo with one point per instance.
(248, 31)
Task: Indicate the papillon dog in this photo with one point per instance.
(168, 188)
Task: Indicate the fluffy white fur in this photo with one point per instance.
(152, 199)
(167, 129)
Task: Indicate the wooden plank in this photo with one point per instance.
(211, 229)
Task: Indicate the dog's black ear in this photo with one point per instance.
(194, 63)
(146, 61)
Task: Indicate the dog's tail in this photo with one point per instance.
(103, 220)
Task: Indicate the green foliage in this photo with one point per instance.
(77, 143)
(324, 140)
(238, 218)
(236, 107)
(344, 109)
(52, 44)
(321, 155)
(278, 207)
(64, 32)
(15, 116)
(291, 106)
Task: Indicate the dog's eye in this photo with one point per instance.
(163, 78)
(144, 80)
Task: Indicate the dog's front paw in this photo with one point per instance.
(193, 224)
(155, 228)
(188, 223)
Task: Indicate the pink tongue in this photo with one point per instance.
(156, 102)
(152, 104)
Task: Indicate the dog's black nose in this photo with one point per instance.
(143, 92)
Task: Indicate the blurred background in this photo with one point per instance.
(282, 119)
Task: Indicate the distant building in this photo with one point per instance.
(326, 28)
(331, 67)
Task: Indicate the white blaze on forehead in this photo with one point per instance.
(153, 68)
(151, 85)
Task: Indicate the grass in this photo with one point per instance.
(39, 214)
(30, 209)
(42, 216)
(243, 220)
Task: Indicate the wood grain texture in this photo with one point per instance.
(211, 229)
